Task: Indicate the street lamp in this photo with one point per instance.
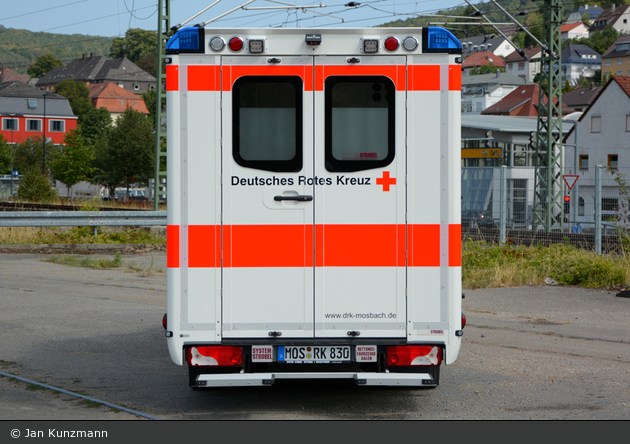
(46, 94)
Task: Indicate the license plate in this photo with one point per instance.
(313, 354)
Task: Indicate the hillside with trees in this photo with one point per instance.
(526, 12)
(19, 48)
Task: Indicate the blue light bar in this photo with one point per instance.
(186, 40)
(436, 40)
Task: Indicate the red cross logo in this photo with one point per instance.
(386, 181)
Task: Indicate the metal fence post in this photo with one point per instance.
(503, 222)
(598, 209)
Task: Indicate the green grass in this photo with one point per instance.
(487, 265)
(86, 262)
(79, 235)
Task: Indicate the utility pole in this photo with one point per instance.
(164, 33)
(548, 191)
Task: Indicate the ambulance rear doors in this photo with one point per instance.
(313, 196)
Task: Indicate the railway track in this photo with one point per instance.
(24, 206)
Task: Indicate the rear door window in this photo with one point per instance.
(267, 123)
(359, 122)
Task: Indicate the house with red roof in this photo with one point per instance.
(477, 59)
(8, 75)
(115, 99)
(574, 31)
(522, 102)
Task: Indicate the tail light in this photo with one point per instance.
(391, 43)
(463, 320)
(408, 355)
(235, 44)
(216, 355)
(164, 321)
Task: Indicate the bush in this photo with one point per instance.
(36, 188)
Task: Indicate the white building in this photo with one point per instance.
(484, 90)
(519, 66)
(579, 62)
(496, 45)
(604, 139)
(574, 31)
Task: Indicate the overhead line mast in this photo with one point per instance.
(164, 33)
(548, 204)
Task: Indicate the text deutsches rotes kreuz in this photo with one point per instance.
(300, 180)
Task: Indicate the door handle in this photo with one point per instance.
(299, 198)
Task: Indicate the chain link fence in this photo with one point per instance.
(508, 205)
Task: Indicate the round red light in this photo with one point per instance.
(391, 43)
(236, 44)
(393, 359)
(567, 198)
(236, 359)
(164, 321)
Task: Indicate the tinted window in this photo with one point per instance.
(267, 123)
(359, 122)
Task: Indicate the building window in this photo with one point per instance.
(607, 62)
(619, 60)
(612, 161)
(57, 126)
(32, 103)
(619, 72)
(136, 87)
(596, 124)
(584, 162)
(10, 124)
(151, 87)
(33, 125)
(521, 66)
(581, 206)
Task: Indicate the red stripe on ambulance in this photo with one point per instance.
(335, 246)
(172, 78)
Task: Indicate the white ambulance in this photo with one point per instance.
(314, 205)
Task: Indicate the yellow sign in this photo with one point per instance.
(482, 153)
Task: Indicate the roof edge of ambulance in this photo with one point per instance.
(421, 33)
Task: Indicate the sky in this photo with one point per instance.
(112, 18)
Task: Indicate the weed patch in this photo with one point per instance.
(79, 235)
(490, 265)
(86, 262)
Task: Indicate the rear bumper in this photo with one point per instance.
(366, 379)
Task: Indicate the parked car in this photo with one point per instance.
(133, 196)
(478, 219)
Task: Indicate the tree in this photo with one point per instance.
(136, 44)
(6, 156)
(96, 125)
(28, 155)
(78, 95)
(130, 149)
(73, 164)
(43, 64)
(485, 69)
(36, 187)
